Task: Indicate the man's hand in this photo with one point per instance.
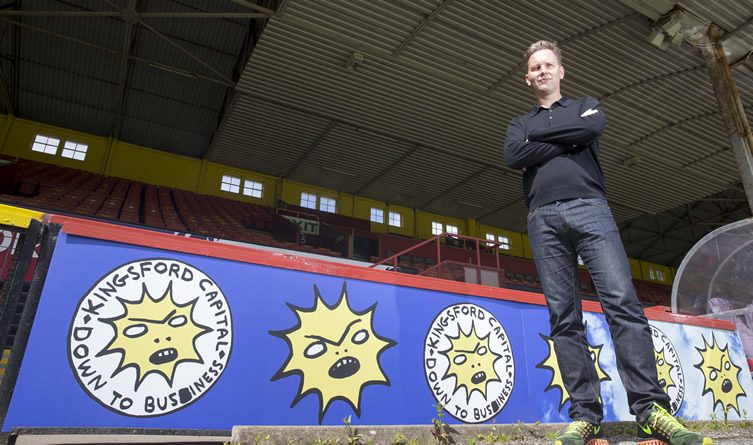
(589, 112)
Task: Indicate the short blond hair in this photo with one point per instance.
(543, 44)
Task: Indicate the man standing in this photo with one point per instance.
(556, 146)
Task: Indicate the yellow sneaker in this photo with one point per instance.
(661, 428)
(581, 432)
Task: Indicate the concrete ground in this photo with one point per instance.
(60, 436)
(734, 433)
(131, 439)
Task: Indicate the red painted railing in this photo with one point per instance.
(476, 244)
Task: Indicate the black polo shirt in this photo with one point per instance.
(558, 150)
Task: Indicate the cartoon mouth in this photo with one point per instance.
(345, 367)
(478, 377)
(726, 385)
(163, 356)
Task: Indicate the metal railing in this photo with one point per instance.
(476, 244)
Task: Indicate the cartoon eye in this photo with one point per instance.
(180, 320)
(713, 375)
(459, 359)
(360, 337)
(135, 330)
(593, 356)
(660, 362)
(315, 350)
(481, 351)
(726, 366)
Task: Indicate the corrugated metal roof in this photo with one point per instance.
(447, 76)
(421, 123)
(171, 94)
(258, 135)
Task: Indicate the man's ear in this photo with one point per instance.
(528, 82)
(562, 72)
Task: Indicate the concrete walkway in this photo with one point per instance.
(734, 433)
(619, 433)
(92, 436)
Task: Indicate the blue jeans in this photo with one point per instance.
(558, 233)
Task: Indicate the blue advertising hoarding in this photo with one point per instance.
(141, 336)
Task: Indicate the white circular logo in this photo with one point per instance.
(150, 337)
(668, 369)
(469, 363)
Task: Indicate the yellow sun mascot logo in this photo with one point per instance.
(668, 368)
(154, 335)
(471, 362)
(150, 337)
(720, 376)
(551, 363)
(664, 371)
(335, 352)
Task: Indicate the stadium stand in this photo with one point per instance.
(48, 187)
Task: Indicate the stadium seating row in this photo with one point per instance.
(52, 188)
(58, 189)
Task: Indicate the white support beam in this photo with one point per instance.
(151, 63)
(129, 37)
(652, 9)
(254, 6)
(145, 15)
(428, 19)
(188, 53)
(730, 104)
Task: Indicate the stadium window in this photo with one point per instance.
(452, 229)
(327, 205)
(308, 200)
(230, 184)
(656, 275)
(490, 237)
(377, 215)
(395, 219)
(436, 228)
(45, 144)
(74, 150)
(504, 242)
(253, 188)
